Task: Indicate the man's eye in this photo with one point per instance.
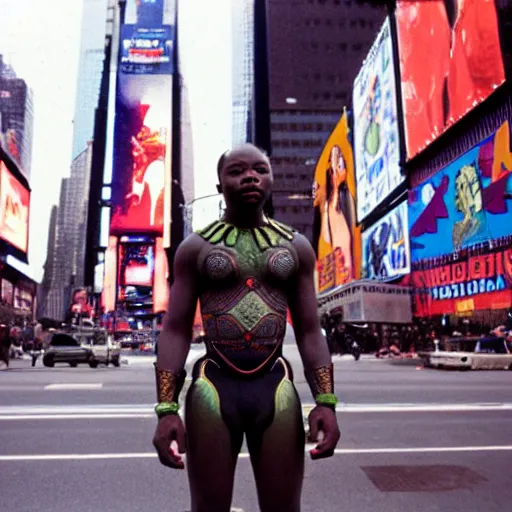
(234, 171)
(261, 170)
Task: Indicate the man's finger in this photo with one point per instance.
(181, 440)
(313, 430)
(166, 454)
(326, 447)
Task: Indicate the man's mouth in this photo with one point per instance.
(252, 193)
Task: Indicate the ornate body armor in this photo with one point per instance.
(243, 292)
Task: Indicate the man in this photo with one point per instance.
(246, 271)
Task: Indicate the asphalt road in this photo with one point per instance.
(79, 439)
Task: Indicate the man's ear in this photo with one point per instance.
(219, 188)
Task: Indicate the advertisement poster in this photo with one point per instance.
(142, 132)
(386, 254)
(376, 142)
(7, 291)
(466, 203)
(14, 210)
(136, 270)
(468, 66)
(336, 237)
(476, 283)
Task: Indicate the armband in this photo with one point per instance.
(321, 383)
(167, 408)
(168, 385)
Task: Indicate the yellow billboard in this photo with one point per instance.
(337, 239)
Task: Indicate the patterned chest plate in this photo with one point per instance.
(243, 300)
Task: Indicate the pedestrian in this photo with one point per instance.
(5, 344)
(246, 270)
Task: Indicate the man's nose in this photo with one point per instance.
(251, 176)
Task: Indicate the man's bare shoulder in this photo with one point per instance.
(190, 247)
(305, 252)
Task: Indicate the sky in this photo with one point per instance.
(41, 41)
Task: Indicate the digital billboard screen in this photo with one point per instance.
(336, 237)
(14, 210)
(143, 121)
(376, 139)
(7, 292)
(136, 268)
(385, 247)
(450, 61)
(466, 203)
(142, 147)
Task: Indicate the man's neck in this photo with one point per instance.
(247, 220)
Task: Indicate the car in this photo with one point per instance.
(89, 346)
(64, 348)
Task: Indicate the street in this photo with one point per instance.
(412, 439)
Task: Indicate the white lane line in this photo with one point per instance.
(425, 407)
(245, 455)
(74, 416)
(65, 387)
(146, 411)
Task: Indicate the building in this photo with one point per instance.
(92, 53)
(64, 267)
(315, 49)
(16, 117)
(243, 71)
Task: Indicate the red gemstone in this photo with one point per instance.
(247, 336)
(250, 282)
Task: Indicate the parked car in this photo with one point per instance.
(91, 346)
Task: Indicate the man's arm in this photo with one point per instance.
(303, 309)
(314, 352)
(173, 348)
(175, 337)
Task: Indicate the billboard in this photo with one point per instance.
(14, 210)
(376, 139)
(450, 60)
(466, 203)
(471, 284)
(385, 246)
(142, 131)
(336, 237)
(7, 292)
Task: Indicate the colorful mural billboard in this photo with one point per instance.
(466, 203)
(476, 283)
(336, 237)
(450, 61)
(376, 140)
(385, 247)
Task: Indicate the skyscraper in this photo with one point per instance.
(64, 268)
(90, 66)
(315, 49)
(16, 117)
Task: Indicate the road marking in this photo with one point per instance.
(147, 411)
(245, 455)
(66, 387)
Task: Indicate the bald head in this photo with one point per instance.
(242, 150)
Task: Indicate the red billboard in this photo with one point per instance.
(14, 210)
(450, 61)
(477, 283)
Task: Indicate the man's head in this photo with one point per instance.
(245, 176)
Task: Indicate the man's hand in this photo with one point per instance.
(323, 419)
(170, 428)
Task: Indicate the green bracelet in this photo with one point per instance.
(326, 399)
(167, 408)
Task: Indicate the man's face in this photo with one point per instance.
(246, 177)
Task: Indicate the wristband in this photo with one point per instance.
(328, 399)
(167, 408)
(321, 380)
(168, 385)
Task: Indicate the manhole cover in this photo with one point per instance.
(422, 478)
